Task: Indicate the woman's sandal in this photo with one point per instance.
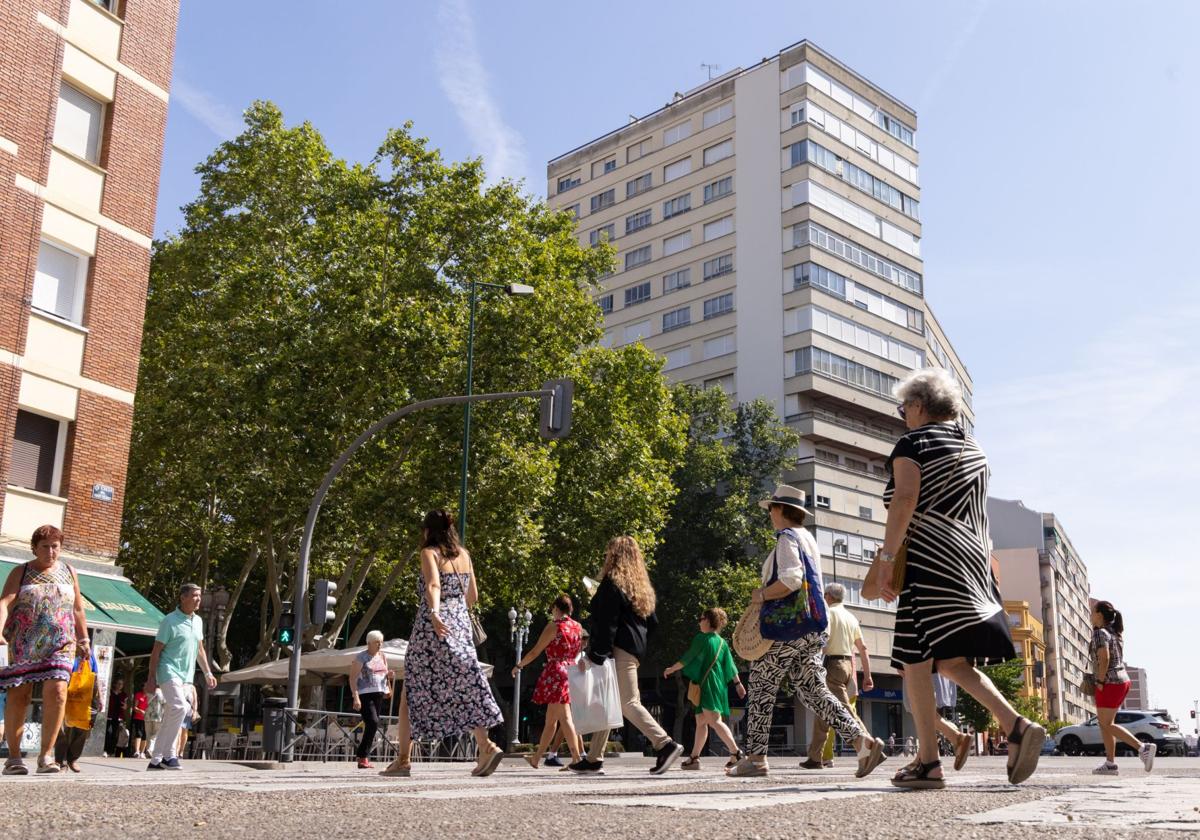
(734, 759)
(692, 762)
(962, 749)
(48, 766)
(915, 776)
(397, 770)
(1024, 759)
(488, 762)
(532, 759)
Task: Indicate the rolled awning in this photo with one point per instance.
(111, 602)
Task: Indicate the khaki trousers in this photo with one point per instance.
(631, 707)
(839, 674)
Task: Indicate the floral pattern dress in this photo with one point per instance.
(41, 627)
(560, 653)
(448, 694)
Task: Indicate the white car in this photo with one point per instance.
(1154, 727)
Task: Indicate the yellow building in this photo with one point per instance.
(1030, 642)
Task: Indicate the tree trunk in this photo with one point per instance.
(272, 604)
(224, 657)
(364, 623)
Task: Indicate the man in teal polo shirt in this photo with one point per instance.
(178, 646)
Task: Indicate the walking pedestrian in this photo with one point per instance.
(190, 719)
(445, 692)
(117, 699)
(950, 616)
(70, 742)
(562, 640)
(1107, 653)
(370, 686)
(43, 626)
(944, 690)
(178, 648)
(793, 618)
(845, 639)
(137, 723)
(709, 665)
(622, 616)
(155, 706)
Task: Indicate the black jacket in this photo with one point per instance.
(613, 623)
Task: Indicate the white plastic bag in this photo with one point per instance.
(595, 700)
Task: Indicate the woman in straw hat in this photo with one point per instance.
(792, 616)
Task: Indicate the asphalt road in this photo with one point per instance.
(117, 798)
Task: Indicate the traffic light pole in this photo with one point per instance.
(555, 422)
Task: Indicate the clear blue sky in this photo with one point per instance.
(1059, 181)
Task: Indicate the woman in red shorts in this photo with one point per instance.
(1107, 651)
(562, 639)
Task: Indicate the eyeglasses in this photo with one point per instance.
(900, 411)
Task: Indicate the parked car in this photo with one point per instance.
(1146, 726)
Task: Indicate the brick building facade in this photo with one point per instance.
(83, 107)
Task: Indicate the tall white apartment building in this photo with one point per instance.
(768, 237)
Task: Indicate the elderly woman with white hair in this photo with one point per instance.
(950, 617)
(370, 684)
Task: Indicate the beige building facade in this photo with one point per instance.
(768, 242)
(1139, 689)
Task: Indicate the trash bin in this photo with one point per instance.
(273, 725)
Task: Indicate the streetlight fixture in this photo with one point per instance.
(513, 290)
(518, 633)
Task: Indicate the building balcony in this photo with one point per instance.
(823, 425)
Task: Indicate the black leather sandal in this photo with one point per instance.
(1024, 759)
(916, 776)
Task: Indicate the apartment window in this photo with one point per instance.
(637, 150)
(638, 185)
(606, 304)
(677, 132)
(637, 221)
(637, 294)
(680, 279)
(725, 383)
(678, 357)
(107, 5)
(607, 233)
(721, 227)
(636, 332)
(857, 294)
(827, 457)
(678, 242)
(677, 205)
(718, 266)
(34, 451)
(855, 464)
(826, 502)
(810, 233)
(722, 345)
(59, 283)
(718, 152)
(853, 333)
(718, 189)
(636, 257)
(718, 115)
(806, 151)
(677, 169)
(814, 359)
(677, 318)
(574, 210)
(605, 199)
(718, 305)
(894, 127)
(602, 167)
(78, 124)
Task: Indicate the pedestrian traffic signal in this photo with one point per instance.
(287, 625)
(324, 602)
(556, 409)
(1193, 714)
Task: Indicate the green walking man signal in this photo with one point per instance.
(287, 625)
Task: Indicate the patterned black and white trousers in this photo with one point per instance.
(801, 660)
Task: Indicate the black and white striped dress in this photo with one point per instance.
(950, 605)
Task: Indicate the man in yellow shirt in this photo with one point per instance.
(845, 637)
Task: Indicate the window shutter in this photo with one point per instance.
(34, 445)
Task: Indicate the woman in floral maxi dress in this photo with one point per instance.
(445, 691)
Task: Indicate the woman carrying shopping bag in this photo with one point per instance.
(83, 705)
(561, 639)
(710, 667)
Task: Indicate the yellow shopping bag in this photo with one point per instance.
(79, 694)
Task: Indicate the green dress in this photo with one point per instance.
(714, 692)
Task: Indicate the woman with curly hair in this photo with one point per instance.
(622, 615)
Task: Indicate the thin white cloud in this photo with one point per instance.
(467, 85)
(217, 117)
(964, 36)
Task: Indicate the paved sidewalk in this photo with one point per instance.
(311, 800)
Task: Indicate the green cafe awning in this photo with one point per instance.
(112, 603)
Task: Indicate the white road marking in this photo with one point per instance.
(1161, 802)
(734, 800)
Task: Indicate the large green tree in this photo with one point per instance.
(304, 298)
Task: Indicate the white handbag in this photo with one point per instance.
(595, 700)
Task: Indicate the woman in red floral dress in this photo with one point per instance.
(561, 639)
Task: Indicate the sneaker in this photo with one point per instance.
(172, 764)
(828, 765)
(809, 764)
(748, 767)
(155, 765)
(553, 761)
(1146, 754)
(585, 766)
(1106, 769)
(665, 757)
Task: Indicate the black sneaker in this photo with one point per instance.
(665, 757)
(553, 761)
(810, 764)
(584, 766)
(156, 765)
(172, 764)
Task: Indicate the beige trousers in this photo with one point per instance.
(631, 707)
(839, 674)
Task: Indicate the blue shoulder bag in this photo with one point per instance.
(800, 612)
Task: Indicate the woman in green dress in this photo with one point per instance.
(709, 664)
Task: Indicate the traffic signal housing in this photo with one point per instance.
(324, 602)
(286, 632)
(556, 409)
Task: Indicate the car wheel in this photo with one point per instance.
(1071, 745)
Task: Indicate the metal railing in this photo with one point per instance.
(852, 424)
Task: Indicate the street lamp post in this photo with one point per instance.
(518, 625)
(514, 290)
